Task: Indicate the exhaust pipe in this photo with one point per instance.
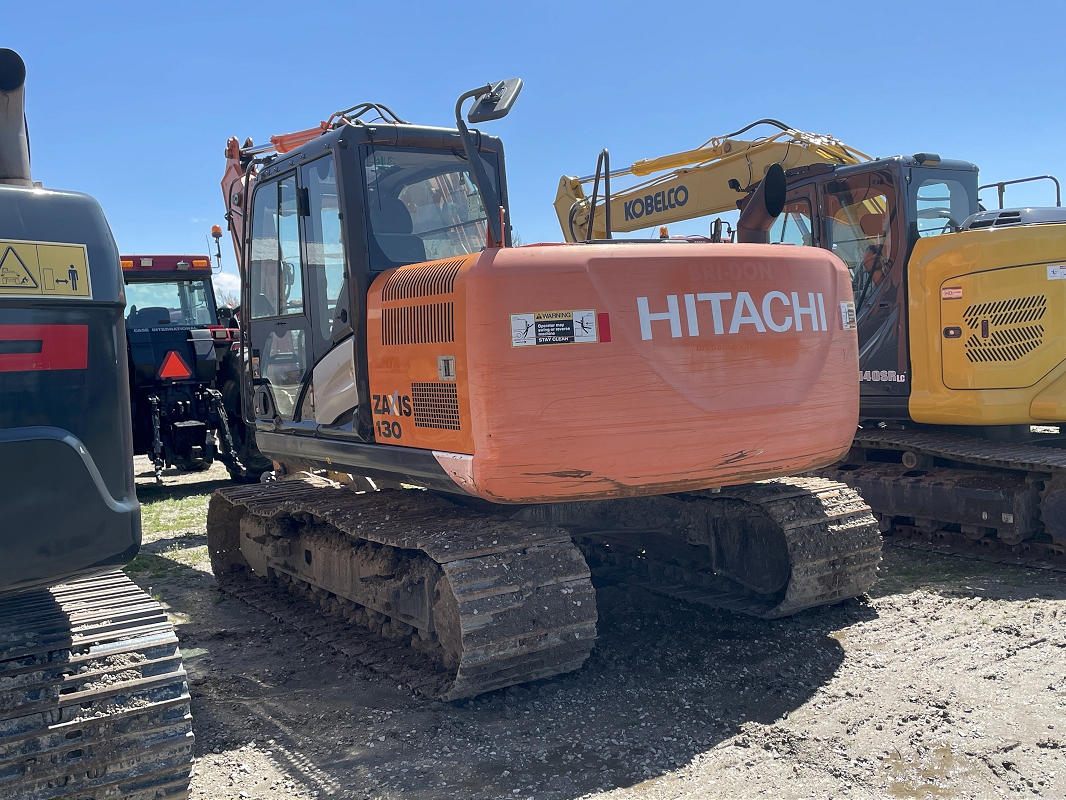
(762, 207)
(14, 138)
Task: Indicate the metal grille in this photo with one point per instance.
(1007, 312)
(424, 280)
(1004, 345)
(1003, 330)
(432, 323)
(436, 405)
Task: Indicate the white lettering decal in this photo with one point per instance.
(745, 311)
(690, 312)
(716, 299)
(647, 318)
(740, 318)
(768, 314)
(800, 311)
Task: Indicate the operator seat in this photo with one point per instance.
(873, 225)
(873, 259)
(391, 223)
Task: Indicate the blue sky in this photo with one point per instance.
(133, 103)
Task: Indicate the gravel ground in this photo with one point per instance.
(949, 681)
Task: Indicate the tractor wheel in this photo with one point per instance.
(243, 438)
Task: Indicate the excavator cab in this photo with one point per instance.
(871, 215)
(374, 198)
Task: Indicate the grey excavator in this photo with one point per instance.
(94, 701)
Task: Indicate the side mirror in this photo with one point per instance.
(496, 102)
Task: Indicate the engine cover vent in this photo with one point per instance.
(431, 323)
(1004, 330)
(436, 405)
(424, 280)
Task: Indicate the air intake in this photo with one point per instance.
(431, 323)
(436, 405)
(423, 280)
(1005, 330)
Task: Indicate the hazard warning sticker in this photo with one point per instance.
(553, 327)
(44, 269)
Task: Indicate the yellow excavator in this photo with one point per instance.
(959, 309)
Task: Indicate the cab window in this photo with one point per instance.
(942, 205)
(151, 305)
(860, 213)
(323, 245)
(793, 226)
(423, 205)
(275, 269)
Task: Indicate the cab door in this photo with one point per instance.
(865, 227)
(279, 327)
(334, 386)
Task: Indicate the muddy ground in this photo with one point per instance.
(949, 681)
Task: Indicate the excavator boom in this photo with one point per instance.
(709, 179)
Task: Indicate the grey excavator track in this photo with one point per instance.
(94, 701)
(1003, 502)
(479, 600)
(767, 549)
(456, 601)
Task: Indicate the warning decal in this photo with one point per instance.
(553, 327)
(39, 269)
(847, 315)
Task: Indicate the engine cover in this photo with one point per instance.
(576, 371)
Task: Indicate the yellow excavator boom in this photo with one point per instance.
(709, 179)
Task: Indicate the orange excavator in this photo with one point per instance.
(499, 419)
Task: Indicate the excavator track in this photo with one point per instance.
(768, 549)
(456, 600)
(94, 701)
(1003, 502)
(480, 600)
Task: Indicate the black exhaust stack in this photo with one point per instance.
(762, 207)
(14, 138)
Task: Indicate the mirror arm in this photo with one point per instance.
(477, 169)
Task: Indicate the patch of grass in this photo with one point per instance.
(193, 557)
(154, 566)
(169, 516)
